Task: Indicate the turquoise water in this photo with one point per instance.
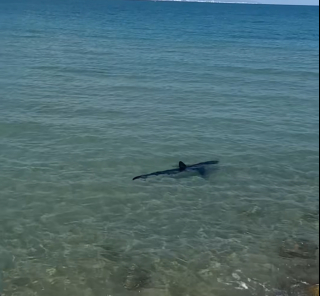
(94, 93)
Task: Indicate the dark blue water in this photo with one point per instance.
(94, 93)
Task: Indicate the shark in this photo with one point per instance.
(200, 168)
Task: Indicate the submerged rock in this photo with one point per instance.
(301, 290)
(302, 249)
(137, 278)
(314, 291)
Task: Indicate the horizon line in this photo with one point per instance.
(240, 2)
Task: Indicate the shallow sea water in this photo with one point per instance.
(93, 94)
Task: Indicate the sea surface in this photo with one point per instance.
(94, 93)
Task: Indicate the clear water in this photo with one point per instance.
(93, 93)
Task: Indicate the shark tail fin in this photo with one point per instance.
(182, 166)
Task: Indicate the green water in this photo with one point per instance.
(93, 94)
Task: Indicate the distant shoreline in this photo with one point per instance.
(210, 1)
(205, 1)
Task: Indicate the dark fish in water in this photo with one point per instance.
(199, 168)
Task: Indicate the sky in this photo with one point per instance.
(299, 2)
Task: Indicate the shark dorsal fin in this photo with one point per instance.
(182, 166)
